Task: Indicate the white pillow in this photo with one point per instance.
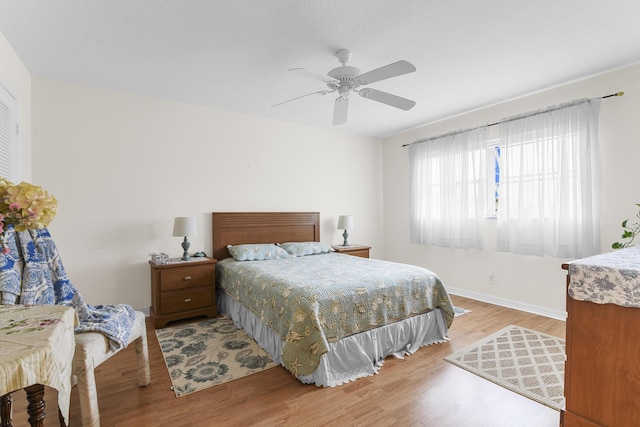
(256, 252)
(306, 248)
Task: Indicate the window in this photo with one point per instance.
(9, 146)
(548, 182)
(449, 189)
(538, 178)
(493, 203)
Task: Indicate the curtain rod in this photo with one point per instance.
(506, 120)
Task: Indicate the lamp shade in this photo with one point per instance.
(185, 226)
(345, 222)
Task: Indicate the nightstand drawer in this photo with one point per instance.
(364, 253)
(186, 277)
(354, 250)
(175, 302)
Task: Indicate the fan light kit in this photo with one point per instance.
(346, 79)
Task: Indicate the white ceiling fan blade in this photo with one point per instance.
(340, 111)
(320, 92)
(392, 70)
(306, 73)
(387, 98)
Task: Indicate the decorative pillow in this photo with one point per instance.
(256, 252)
(306, 248)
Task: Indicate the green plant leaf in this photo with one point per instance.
(629, 232)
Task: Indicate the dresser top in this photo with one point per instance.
(609, 278)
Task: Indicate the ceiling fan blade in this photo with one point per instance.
(340, 111)
(306, 73)
(320, 92)
(387, 98)
(392, 70)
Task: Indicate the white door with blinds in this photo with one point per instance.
(9, 160)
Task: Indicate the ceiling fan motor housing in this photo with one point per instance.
(346, 73)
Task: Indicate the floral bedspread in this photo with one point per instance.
(610, 278)
(314, 300)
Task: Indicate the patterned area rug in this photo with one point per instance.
(203, 354)
(527, 362)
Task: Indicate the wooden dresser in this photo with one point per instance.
(180, 290)
(602, 371)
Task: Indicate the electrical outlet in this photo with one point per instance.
(491, 278)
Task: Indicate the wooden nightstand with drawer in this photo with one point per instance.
(355, 250)
(183, 289)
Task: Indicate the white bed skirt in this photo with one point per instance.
(352, 357)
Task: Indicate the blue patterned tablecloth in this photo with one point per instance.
(610, 278)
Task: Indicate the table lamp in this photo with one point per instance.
(185, 226)
(345, 222)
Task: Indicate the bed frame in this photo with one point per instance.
(235, 228)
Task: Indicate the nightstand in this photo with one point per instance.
(355, 250)
(182, 289)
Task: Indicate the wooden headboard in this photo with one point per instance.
(235, 228)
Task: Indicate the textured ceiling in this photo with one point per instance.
(234, 54)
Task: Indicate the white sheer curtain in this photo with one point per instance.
(549, 182)
(449, 189)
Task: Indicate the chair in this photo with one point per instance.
(30, 279)
(92, 349)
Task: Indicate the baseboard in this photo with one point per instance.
(505, 302)
(146, 311)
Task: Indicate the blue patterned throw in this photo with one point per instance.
(32, 273)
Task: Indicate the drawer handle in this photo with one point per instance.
(187, 300)
(187, 278)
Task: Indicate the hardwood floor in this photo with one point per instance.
(421, 390)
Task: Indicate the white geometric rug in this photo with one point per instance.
(459, 311)
(527, 362)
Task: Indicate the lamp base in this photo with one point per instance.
(185, 247)
(345, 235)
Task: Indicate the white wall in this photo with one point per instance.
(528, 282)
(15, 75)
(122, 166)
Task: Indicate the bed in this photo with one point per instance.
(328, 318)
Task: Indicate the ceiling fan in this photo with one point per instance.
(346, 79)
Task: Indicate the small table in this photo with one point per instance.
(36, 349)
(355, 250)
